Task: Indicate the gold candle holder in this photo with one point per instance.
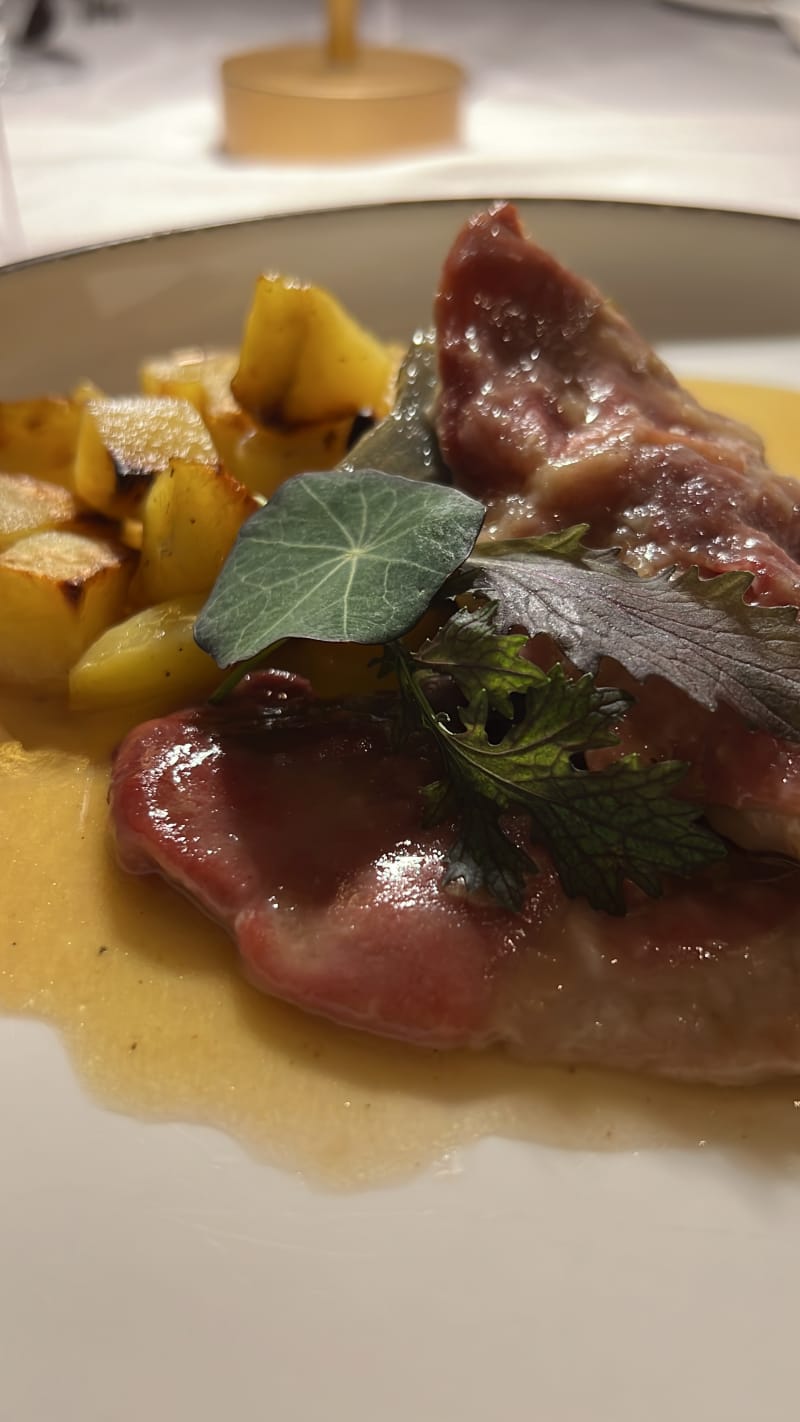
(340, 99)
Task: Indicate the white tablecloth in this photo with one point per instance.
(616, 98)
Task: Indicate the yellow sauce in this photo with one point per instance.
(158, 1022)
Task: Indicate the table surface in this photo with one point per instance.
(624, 99)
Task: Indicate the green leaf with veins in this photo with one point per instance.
(405, 441)
(601, 827)
(697, 633)
(485, 860)
(620, 823)
(351, 556)
(468, 648)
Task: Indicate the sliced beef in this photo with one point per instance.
(298, 828)
(554, 411)
(747, 781)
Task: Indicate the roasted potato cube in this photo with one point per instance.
(228, 425)
(304, 360)
(263, 458)
(84, 391)
(204, 379)
(201, 377)
(123, 444)
(39, 437)
(30, 505)
(335, 670)
(130, 532)
(189, 522)
(150, 658)
(58, 591)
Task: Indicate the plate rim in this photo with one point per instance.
(395, 204)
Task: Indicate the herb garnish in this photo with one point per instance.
(354, 556)
(405, 442)
(697, 632)
(359, 554)
(600, 826)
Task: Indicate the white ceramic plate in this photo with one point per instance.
(155, 1271)
(744, 9)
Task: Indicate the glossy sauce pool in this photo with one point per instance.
(158, 1022)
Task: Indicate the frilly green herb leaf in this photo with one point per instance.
(601, 827)
(484, 859)
(468, 649)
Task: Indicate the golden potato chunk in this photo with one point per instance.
(58, 591)
(335, 670)
(264, 458)
(228, 424)
(84, 391)
(261, 456)
(304, 360)
(150, 658)
(130, 532)
(204, 379)
(39, 437)
(201, 377)
(190, 519)
(30, 505)
(123, 444)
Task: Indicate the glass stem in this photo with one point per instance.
(342, 45)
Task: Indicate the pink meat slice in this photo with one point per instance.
(300, 832)
(554, 411)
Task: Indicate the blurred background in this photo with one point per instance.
(113, 119)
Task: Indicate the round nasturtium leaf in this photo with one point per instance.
(344, 556)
